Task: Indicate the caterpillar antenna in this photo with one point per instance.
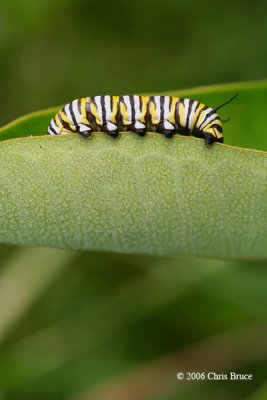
(226, 102)
(226, 120)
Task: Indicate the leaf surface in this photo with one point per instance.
(140, 195)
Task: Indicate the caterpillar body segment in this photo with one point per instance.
(162, 114)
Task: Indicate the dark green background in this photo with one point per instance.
(54, 51)
(109, 317)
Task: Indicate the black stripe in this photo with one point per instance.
(88, 110)
(210, 113)
(206, 117)
(104, 111)
(89, 116)
(161, 101)
(189, 112)
(118, 117)
(55, 122)
(64, 111)
(111, 104)
(198, 115)
(193, 112)
(72, 114)
(140, 104)
(218, 127)
(131, 99)
(177, 115)
(52, 129)
(147, 114)
(93, 101)
(79, 106)
(170, 103)
(119, 114)
(148, 117)
(65, 124)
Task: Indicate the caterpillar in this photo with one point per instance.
(162, 114)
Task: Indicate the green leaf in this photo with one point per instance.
(140, 195)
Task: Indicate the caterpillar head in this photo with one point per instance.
(212, 130)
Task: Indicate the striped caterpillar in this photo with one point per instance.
(162, 114)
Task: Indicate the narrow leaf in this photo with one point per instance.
(134, 195)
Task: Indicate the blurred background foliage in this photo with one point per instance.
(80, 325)
(59, 50)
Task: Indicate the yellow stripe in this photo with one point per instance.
(198, 110)
(182, 115)
(211, 130)
(216, 121)
(84, 100)
(153, 113)
(144, 100)
(64, 117)
(114, 110)
(173, 108)
(58, 122)
(196, 113)
(125, 117)
(94, 111)
(214, 132)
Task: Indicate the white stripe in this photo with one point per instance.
(192, 113)
(168, 125)
(137, 107)
(203, 118)
(186, 110)
(99, 108)
(157, 102)
(166, 108)
(111, 126)
(50, 132)
(76, 111)
(84, 128)
(166, 113)
(208, 120)
(128, 107)
(67, 112)
(107, 103)
(54, 126)
(182, 115)
(139, 125)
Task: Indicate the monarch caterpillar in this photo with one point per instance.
(162, 114)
